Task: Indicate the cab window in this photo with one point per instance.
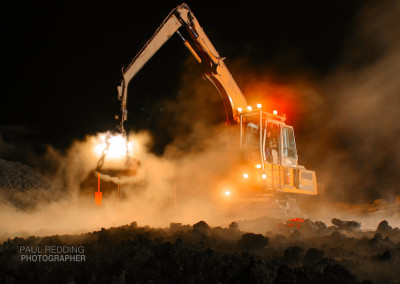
(252, 143)
(289, 144)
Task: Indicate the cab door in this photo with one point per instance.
(272, 143)
(271, 152)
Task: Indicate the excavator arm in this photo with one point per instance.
(201, 48)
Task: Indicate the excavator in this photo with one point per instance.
(267, 143)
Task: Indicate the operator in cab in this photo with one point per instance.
(271, 147)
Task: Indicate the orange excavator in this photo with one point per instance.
(268, 144)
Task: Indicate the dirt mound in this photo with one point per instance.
(23, 187)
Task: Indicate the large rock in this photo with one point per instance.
(384, 228)
(339, 274)
(202, 228)
(346, 225)
(293, 255)
(252, 241)
(313, 255)
(234, 226)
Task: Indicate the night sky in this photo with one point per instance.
(62, 62)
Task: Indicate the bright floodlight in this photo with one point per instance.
(275, 112)
(227, 193)
(240, 109)
(259, 105)
(249, 108)
(264, 176)
(117, 148)
(245, 175)
(258, 166)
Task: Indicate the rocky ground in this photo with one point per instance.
(297, 252)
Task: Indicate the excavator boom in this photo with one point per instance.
(201, 48)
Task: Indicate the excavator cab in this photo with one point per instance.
(270, 154)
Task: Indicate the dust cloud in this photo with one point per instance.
(162, 191)
(360, 140)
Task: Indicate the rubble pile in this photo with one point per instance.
(313, 253)
(23, 187)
